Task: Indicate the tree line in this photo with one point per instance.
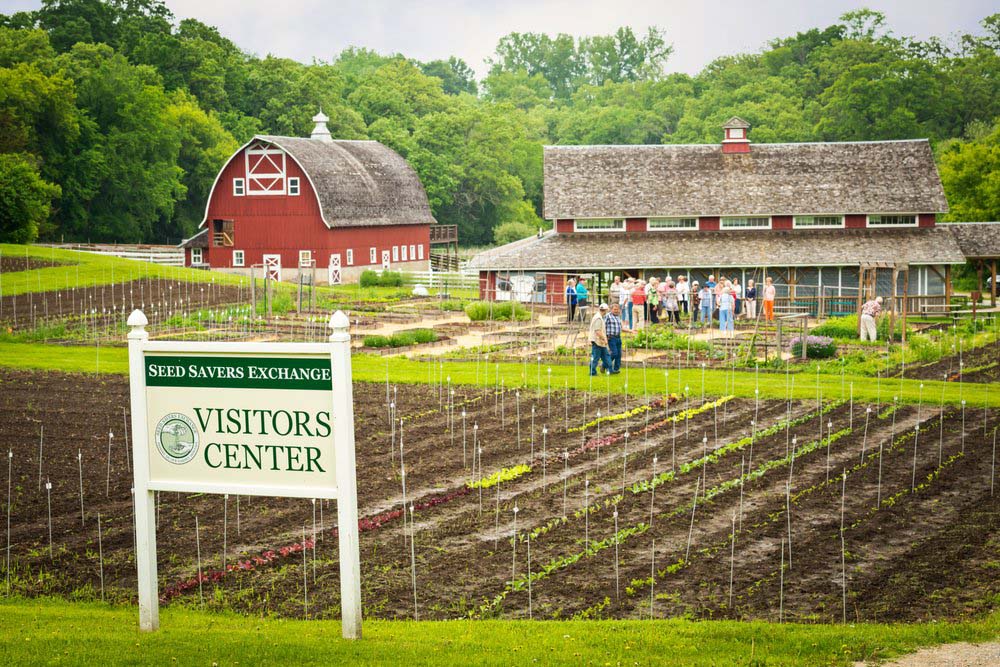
(115, 118)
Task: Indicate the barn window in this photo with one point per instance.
(293, 186)
(237, 258)
(672, 223)
(350, 257)
(265, 169)
(599, 225)
(239, 187)
(745, 223)
(819, 221)
(420, 251)
(395, 253)
(196, 255)
(413, 253)
(736, 133)
(372, 255)
(305, 258)
(892, 221)
(404, 253)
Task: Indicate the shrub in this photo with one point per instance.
(402, 339)
(498, 310)
(452, 305)
(390, 279)
(657, 338)
(368, 278)
(817, 347)
(847, 327)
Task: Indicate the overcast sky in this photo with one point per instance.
(430, 29)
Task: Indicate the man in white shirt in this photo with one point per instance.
(599, 350)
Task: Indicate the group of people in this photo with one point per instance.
(655, 300)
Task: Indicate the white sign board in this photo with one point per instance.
(268, 419)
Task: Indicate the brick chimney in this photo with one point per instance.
(735, 140)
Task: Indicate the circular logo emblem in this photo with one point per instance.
(176, 438)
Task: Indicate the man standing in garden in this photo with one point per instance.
(613, 327)
(599, 341)
(869, 318)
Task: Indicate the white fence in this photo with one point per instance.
(457, 279)
(166, 255)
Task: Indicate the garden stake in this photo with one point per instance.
(829, 432)
(694, 507)
(781, 586)
(732, 561)
(742, 463)
(238, 513)
(963, 426)
(788, 517)
(703, 382)
(864, 440)
(617, 587)
(843, 551)
(598, 435)
(413, 560)
(10, 464)
(197, 542)
(586, 516)
(993, 463)
(545, 474)
(464, 463)
(79, 465)
(878, 498)
(225, 528)
(913, 479)
(128, 449)
(652, 575)
(513, 566)
(305, 573)
(548, 393)
(107, 487)
(477, 449)
(402, 478)
(100, 553)
(314, 538)
(531, 437)
(48, 501)
(529, 569)
(496, 519)
(566, 416)
(624, 462)
(704, 468)
(565, 478)
(517, 407)
(687, 403)
(41, 438)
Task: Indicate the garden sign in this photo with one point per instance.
(265, 419)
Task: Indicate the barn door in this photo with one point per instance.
(333, 271)
(272, 266)
(385, 260)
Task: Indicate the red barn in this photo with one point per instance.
(331, 206)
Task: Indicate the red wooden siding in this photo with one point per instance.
(635, 224)
(708, 224)
(855, 221)
(564, 226)
(741, 147)
(782, 222)
(487, 285)
(926, 220)
(283, 224)
(555, 286)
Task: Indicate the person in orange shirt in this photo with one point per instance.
(769, 293)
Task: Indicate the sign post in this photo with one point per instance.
(268, 419)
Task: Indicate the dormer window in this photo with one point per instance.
(737, 133)
(735, 139)
(599, 225)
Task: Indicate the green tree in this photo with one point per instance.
(455, 74)
(970, 173)
(25, 199)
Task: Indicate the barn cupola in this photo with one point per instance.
(320, 131)
(735, 139)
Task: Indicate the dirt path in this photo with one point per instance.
(950, 655)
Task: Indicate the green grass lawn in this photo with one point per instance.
(87, 359)
(34, 632)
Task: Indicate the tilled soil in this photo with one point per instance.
(926, 553)
(106, 303)
(12, 264)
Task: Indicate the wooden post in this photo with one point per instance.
(892, 310)
(777, 341)
(993, 283)
(145, 507)
(906, 300)
(862, 277)
(253, 292)
(947, 288)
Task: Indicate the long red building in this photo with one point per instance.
(329, 207)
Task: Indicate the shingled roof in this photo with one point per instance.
(772, 179)
(724, 249)
(359, 183)
(977, 240)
